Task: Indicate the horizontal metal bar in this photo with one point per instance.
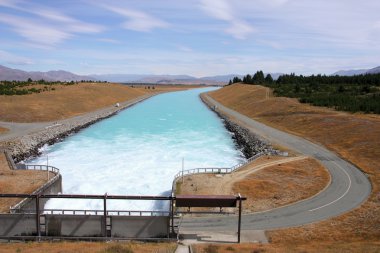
(84, 196)
(84, 238)
(101, 212)
(203, 212)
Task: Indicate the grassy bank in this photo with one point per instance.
(87, 247)
(355, 137)
(66, 101)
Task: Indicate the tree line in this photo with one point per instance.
(359, 93)
(11, 88)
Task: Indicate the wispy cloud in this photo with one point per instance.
(13, 59)
(184, 48)
(136, 20)
(69, 24)
(108, 40)
(35, 31)
(222, 10)
(52, 27)
(9, 3)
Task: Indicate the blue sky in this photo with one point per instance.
(195, 37)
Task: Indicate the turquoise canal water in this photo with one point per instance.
(139, 150)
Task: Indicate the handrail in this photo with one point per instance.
(216, 170)
(37, 167)
(41, 188)
(101, 212)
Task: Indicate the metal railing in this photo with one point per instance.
(101, 212)
(216, 170)
(46, 168)
(37, 167)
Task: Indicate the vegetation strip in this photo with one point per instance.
(360, 93)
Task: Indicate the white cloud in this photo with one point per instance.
(53, 28)
(184, 48)
(69, 24)
(8, 3)
(35, 31)
(222, 10)
(239, 29)
(108, 40)
(13, 59)
(217, 9)
(137, 20)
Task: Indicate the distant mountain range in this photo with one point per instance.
(8, 74)
(165, 79)
(357, 72)
(171, 79)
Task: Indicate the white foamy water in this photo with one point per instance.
(138, 151)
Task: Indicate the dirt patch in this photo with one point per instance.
(18, 181)
(87, 247)
(355, 137)
(3, 130)
(268, 182)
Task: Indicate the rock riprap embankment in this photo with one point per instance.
(28, 145)
(249, 143)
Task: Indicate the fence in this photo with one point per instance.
(99, 224)
(104, 224)
(26, 201)
(215, 170)
(37, 167)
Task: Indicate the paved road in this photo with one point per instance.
(348, 189)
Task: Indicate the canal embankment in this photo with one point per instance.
(246, 141)
(28, 145)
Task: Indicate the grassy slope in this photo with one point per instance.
(282, 184)
(64, 102)
(355, 137)
(87, 247)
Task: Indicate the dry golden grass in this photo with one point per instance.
(355, 137)
(87, 247)
(18, 181)
(64, 101)
(72, 100)
(354, 247)
(268, 182)
(282, 184)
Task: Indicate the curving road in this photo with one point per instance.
(348, 189)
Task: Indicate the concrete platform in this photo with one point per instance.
(252, 236)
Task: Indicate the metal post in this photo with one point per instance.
(47, 166)
(38, 217)
(172, 213)
(183, 165)
(239, 224)
(105, 214)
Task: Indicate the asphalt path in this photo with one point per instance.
(348, 189)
